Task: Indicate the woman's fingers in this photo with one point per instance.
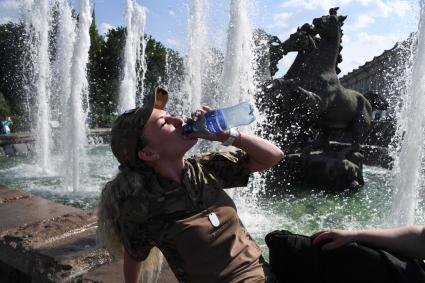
(321, 236)
(317, 234)
(332, 245)
(332, 239)
(206, 108)
(198, 113)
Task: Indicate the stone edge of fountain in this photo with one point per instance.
(43, 241)
(23, 143)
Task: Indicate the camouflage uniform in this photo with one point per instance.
(173, 216)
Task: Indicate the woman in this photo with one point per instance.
(162, 200)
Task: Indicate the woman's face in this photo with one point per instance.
(164, 134)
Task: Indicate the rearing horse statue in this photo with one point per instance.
(314, 73)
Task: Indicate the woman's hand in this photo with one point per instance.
(198, 115)
(262, 153)
(407, 241)
(332, 239)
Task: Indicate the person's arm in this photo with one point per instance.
(262, 153)
(407, 241)
(132, 269)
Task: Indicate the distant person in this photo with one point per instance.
(5, 125)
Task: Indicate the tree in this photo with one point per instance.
(94, 74)
(104, 71)
(110, 70)
(156, 54)
(4, 106)
(11, 60)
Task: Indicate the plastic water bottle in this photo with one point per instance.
(221, 119)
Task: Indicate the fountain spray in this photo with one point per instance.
(238, 73)
(77, 114)
(62, 70)
(37, 23)
(194, 60)
(408, 166)
(134, 56)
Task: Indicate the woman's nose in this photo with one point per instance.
(176, 121)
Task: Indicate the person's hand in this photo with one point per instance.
(198, 115)
(332, 239)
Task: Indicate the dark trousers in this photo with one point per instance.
(294, 259)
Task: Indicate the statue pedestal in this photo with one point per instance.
(337, 169)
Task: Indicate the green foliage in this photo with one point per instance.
(104, 71)
(103, 120)
(109, 66)
(94, 72)
(155, 61)
(11, 56)
(4, 106)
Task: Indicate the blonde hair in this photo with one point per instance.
(109, 237)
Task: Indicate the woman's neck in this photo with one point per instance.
(169, 169)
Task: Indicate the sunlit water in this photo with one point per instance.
(300, 211)
(411, 126)
(25, 175)
(134, 56)
(37, 19)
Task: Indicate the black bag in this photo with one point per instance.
(293, 258)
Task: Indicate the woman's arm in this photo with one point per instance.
(262, 153)
(132, 269)
(407, 241)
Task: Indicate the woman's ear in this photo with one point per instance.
(147, 155)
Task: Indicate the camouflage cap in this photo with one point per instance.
(127, 129)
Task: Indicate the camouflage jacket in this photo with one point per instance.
(172, 216)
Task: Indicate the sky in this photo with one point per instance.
(372, 26)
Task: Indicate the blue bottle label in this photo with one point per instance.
(214, 122)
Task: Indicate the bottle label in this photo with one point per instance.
(214, 122)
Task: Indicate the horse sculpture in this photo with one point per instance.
(309, 99)
(313, 75)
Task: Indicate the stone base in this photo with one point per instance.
(9, 274)
(112, 273)
(22, 144)
(42, 241)
(336, 169)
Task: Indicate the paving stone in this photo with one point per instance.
(112, 273)
(31, 147)
(21, 149)
(30, 210)
(22, 137)
(107, 139)
(9, 274)
(75, 254)
(8, 149)
(55, 249)
(7, 195)
(41, 241)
